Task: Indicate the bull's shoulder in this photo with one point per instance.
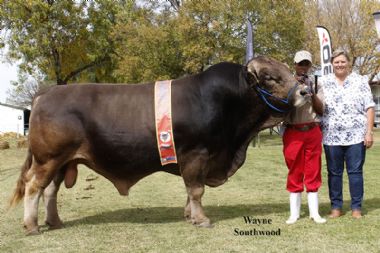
(230, 78)
(226, 70)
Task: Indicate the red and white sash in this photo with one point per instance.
(163, 117)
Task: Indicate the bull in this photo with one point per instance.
(110, 129)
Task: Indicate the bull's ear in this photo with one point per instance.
(251, 76)
(286, 65)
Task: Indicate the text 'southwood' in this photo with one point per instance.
(111, 129)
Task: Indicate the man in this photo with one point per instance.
(302, 144)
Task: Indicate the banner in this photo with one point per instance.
(325, 50)
(376, 15)
(249, 46)
(163, 118)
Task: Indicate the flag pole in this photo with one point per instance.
(249, 44)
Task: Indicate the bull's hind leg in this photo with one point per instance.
(37, 178)
(31, 200)
(50, 199)
(194, 175)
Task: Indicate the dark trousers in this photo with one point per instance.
(354, 156)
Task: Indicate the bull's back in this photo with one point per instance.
(116, 122)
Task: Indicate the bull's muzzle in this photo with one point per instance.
(301, 96)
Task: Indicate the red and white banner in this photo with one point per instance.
(163, 118)
(325, 50)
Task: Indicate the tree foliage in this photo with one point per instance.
(24, 92)
(136, 41)
(168, 39)
(351, 27)
(146, 46)
(61, 38)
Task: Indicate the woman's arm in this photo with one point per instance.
(368, 140)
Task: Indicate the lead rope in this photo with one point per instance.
(264, 94)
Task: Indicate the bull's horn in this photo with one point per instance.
(252, 73)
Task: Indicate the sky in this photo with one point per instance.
(8, 73)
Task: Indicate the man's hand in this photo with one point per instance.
(305, 80)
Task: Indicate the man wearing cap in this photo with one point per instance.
(302, 140)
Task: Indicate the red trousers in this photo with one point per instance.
(302, 152)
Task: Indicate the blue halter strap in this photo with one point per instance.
(264, 94)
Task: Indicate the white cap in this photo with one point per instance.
(302, 56)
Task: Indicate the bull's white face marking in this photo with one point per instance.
(165, 136)
(300, 100)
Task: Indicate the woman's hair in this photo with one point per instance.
(339, 52)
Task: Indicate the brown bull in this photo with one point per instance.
(110, 129)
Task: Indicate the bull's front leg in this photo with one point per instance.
(194, 174)
(197, 215)
(187, 212)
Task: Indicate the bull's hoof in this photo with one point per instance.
(54, 225)
(31, 229)
(202, 224)
(188, 217)
(57, 226)
(33, 232)
(205, 224)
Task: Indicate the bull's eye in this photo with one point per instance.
(272, 79)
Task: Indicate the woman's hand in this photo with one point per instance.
(368, 139)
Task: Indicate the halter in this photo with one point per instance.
(264, 94)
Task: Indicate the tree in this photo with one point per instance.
(351, 27)
(62, 38)
(146, 46)
(279, 26)
(24, 92)
(168, 39)
(211, 34)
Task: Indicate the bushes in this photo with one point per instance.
(8, 140)
(4, 145)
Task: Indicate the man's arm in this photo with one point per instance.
(317, 104)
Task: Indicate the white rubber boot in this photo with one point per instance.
(295, 207)
(312, 199)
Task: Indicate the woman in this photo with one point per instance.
(347, 125)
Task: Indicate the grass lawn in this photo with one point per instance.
(150, 219)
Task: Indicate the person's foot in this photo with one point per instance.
(335, 213)
(356, 214)
(291, 220)
(318, 219)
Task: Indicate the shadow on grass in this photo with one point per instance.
(150, 215)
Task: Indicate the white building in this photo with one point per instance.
(13, 119)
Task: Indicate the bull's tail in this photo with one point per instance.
(19, 192)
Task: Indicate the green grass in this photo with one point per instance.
(150, 219)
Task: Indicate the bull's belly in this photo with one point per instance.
(131, 167)
(124, 174)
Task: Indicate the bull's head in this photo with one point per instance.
(275, 84)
